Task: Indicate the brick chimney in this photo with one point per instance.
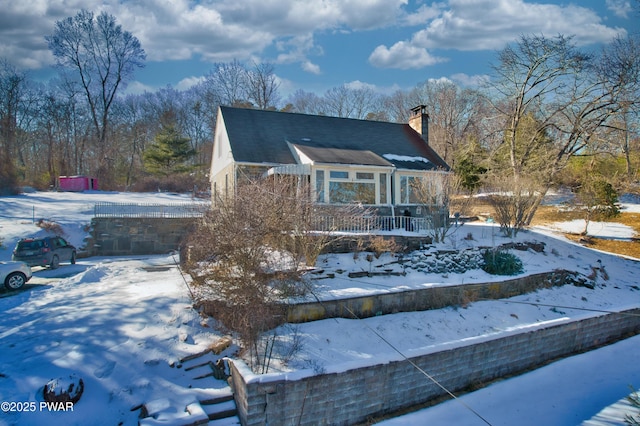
(419, 121)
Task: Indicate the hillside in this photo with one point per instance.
(122, 323)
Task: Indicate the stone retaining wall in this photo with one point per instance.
(423, 299)
(127, 236)
(356, 395)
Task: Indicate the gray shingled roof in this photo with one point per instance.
(258, 136)
(342, 156)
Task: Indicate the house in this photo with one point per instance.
(377, 164)
(77, 183)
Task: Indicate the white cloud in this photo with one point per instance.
(472, 25)
(189, 82)
(491, 24)
(360, 85)
(222, 30)
(620, 8)
(424, 14)
(136, 88)
(215, 30)
(470, 80)
(402, 55)
(297, 50)
(310, 67)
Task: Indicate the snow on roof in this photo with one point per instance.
(395, 157)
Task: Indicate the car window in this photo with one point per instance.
(30, 245)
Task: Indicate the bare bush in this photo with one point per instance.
(514, 204)
(380, 245)
(51, 227)
(249, 254)
(435, 192)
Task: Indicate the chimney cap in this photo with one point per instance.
(420, 109)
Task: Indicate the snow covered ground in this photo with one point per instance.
(122, 324)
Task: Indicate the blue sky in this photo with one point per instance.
(315, 45)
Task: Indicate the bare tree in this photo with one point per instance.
(534, 74)
(11, 87)
(399, 104)
(263, 86)
(343, 101)
(435, 193)
(305, 103)
(620, 69)
(102, 57)
(454, 115)
(556, 93)
(228, 83)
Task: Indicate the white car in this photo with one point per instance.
(14, 275)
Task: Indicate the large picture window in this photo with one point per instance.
(346, 186)
(352, 192)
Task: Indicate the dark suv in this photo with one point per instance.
(48, 251)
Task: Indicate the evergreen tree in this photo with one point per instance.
(469, 173)
(169, 153)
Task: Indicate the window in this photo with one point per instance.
(344, 187)
(410, 190)
(364, 176)
(352, 192)
(341, 192)
(320, 186)
(383, 188)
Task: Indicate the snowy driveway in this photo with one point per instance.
(120, 325)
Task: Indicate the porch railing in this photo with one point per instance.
(322, 223)
(368, 224)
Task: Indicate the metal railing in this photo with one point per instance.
(370, 224)
(322, 223)
(142, 210)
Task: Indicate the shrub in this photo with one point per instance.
(248, 252)
(498, 262)
(51, 227)
(379, 245)
(181, 183)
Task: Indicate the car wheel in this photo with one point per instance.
(73, 258)
(55, 262)
(15, 280)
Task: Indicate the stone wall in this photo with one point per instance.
(127, 236)
(423, 299)
(357, 395)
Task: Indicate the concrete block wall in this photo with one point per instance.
(126, 236)
(356, 395)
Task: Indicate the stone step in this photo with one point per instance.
(194, 415)
(220, 410)
(228, 421)
(217, 399)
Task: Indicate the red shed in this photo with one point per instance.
(77, 183)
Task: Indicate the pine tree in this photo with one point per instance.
(169, 153)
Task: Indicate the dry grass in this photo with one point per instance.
(550, 214)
